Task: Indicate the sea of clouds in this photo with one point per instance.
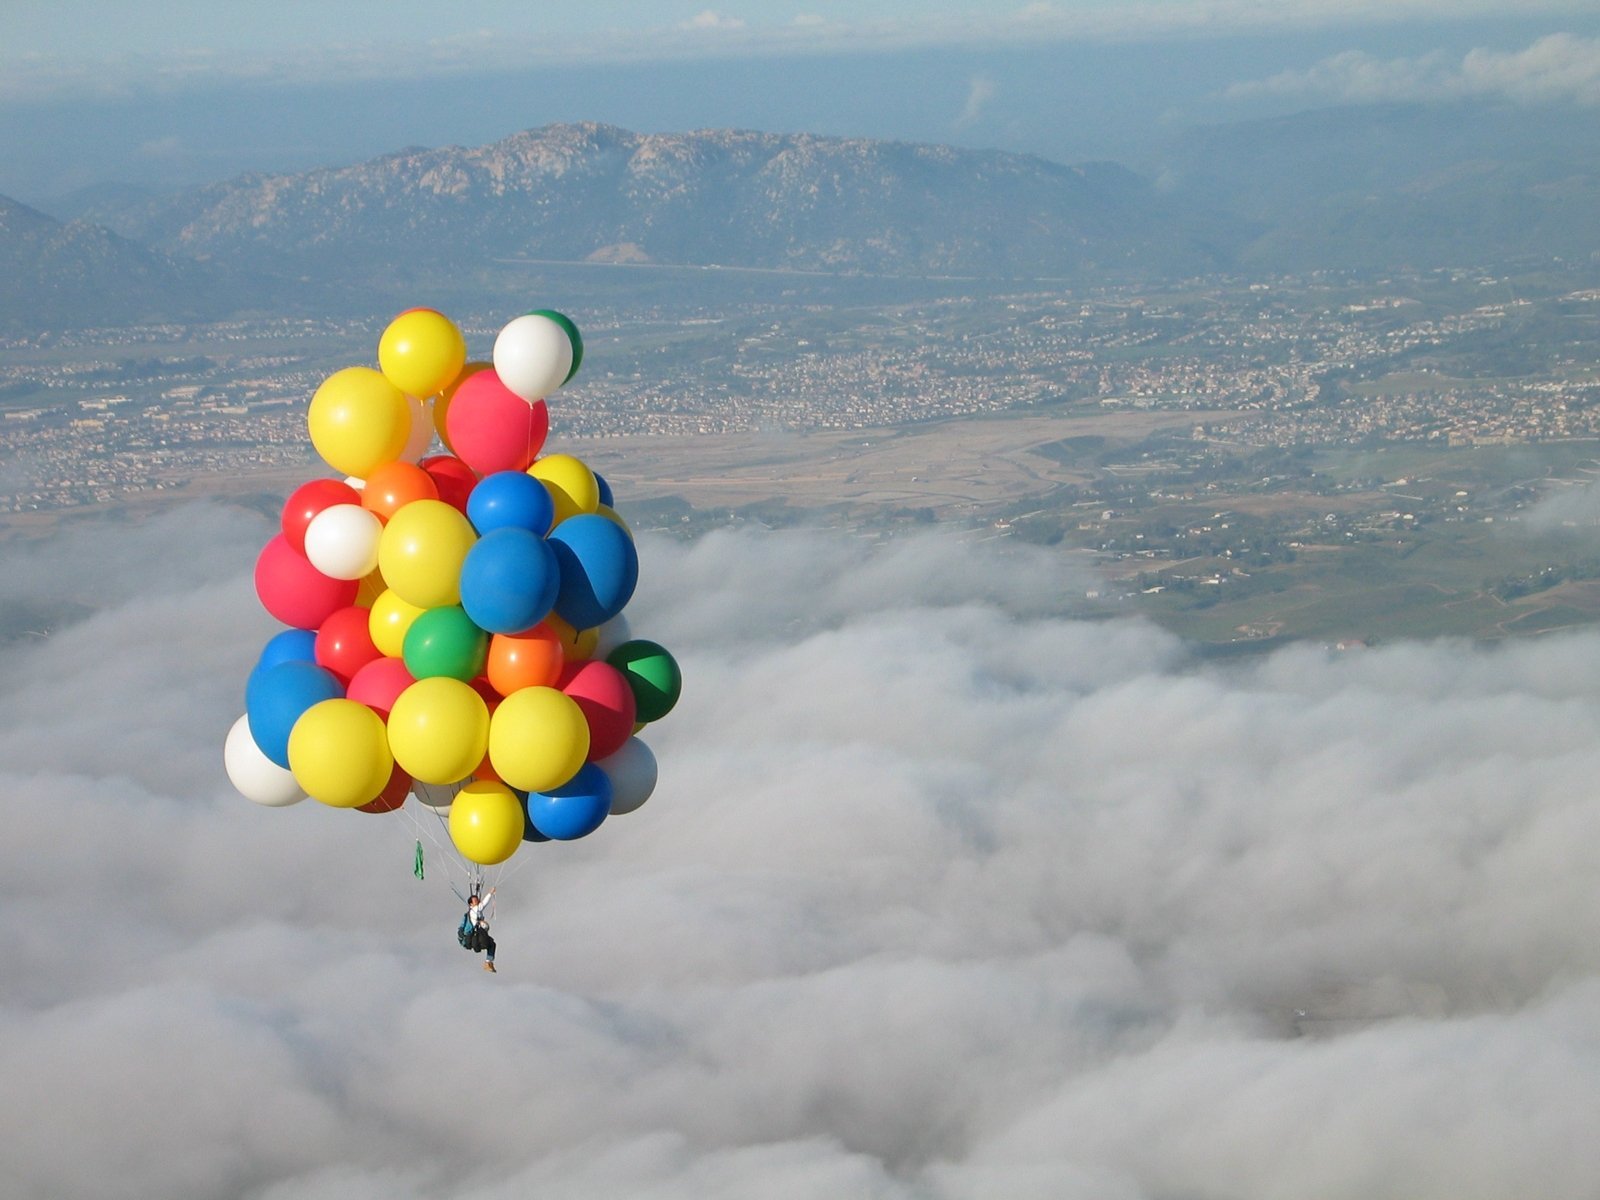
(940, 895)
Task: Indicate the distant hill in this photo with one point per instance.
(55, 275)
(592, 192)
(1379, 186)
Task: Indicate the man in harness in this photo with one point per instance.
(474, 931)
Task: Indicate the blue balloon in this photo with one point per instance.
(509, 580)
(511, 500)
(573, 810)
(599, 569)
(275, 698)
(292, 645)
(606, 497)
(529, 832)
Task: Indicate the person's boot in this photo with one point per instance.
(489, 966)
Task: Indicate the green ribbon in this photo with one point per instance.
(417, 866)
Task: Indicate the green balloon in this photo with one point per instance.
(445, 641)
(652, 675)
(573, 335)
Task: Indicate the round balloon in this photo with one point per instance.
(378, 683)
(276, 697)
(439, 729)
(294, 591)
(342, 541)
(256, 776)
(454, 479)
(509, 580)
(575, 809)
(573, 336)
(344, 643)
(289, 645)
(421, 552)
(571, 485)
(632, 771)
(339, 753)
(533, 356)
(652, 674)
(388, 621)
(575, 643)
(606, 700)
(441, 403)
(309, 499)
(393, 485)
(599, 569)
(393, 795)
(422, 351)
(444, 641)
(537, 739)
(486, 822)
(532, 658)
(511, 499)
(493, 429)
(357, 420)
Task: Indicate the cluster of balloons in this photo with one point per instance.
(455, 628)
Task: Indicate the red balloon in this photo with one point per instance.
(393, 795)
(394, 484)
(344, 642)
(294, 591)
(454, 479)
(306, 501)
(492, 428)
(602, 693)
(378, 683)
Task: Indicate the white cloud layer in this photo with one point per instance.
(1558, 67)
(940, 896)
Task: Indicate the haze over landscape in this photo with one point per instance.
(1117, 479)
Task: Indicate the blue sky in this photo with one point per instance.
(93, 92)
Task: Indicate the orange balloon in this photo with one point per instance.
(395, 484)
(533, 658)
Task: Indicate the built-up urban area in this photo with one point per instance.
(1448, 358)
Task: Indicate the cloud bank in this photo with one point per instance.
(1558, 68)
(941, 895)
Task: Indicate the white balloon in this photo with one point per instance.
(256, 776)
(532, 356)
(342, 541)
(437, 796)
(632, 771)
(421, 430)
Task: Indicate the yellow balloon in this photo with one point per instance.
(538, 738)
(421, 351)
(372, 586)
(388, 621)
(441, 405)
(339, 753)
(575, 643)
(421, 552)
(570, 483)
(358, 420)
(439, 729)
(611, 514)
(486, 822)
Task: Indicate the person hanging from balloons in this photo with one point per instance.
(474, 933)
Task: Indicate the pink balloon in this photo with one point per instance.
(602, 693)
(378, 683)
(492, 428)
(294, 591)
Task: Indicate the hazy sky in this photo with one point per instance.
(92, 92)
(939, 897)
